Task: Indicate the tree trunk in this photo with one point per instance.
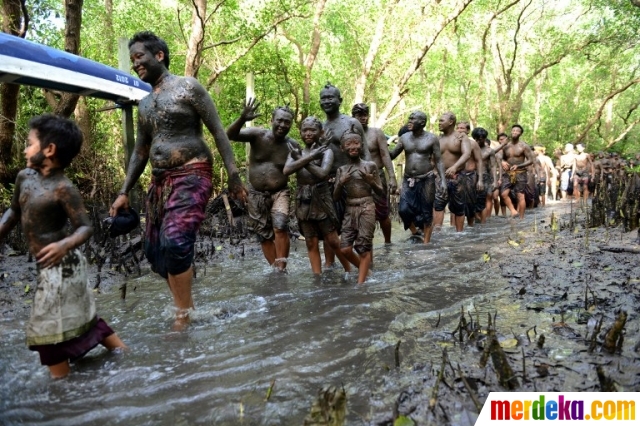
(311, 57)
(194, 49)
(64, 103)
(108, 23)
(374, 46)
(9, 93)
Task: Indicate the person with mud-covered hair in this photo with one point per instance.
(491, 174)
(357, 181)
(514, 159)
(379, 151)
(170, 137)
(566, 164)
(422, 151)
(338, 123)
(455, 150)
(316, 216)
(269, 195)
(63, 325)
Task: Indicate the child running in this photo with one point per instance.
(314, 203)
(63, 324)
(359, 179)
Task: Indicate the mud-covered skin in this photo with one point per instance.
(313, 163)
(269, 148)
(43, 203)
(170, 121)
(454, 146)
(338, 124)
(516, 155)
(358, 178)
(378, 149)
(419, 148)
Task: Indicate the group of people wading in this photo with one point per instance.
(344, 172)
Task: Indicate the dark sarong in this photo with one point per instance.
(416, 200)
(455, 194)
(469, 181)
(481, 196)
(515, 181)
(382, 201)
(359, 224)
(581, 180)
(176, 204)
(314, 210)
(75, 348)
(268, 210)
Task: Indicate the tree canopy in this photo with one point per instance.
(566, 70)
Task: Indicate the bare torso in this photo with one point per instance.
(375, 138)
(582, 162)
(267, 159)
(169, 120)
(46, 202)
(451, 148)
(515, 153)
(356, 186)
(419, 152)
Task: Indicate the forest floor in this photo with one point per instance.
(566, 321)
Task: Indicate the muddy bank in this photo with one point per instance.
(564, 318)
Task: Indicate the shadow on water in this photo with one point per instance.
(253, 326)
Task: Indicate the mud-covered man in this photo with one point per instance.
(566, 164)
(490, 176)
(170, 137)
(422, 150)
(582, 172)
(337, 124)
(269, 195)
(473, 172)
(379, 151)
(514, 160)
(456, 150)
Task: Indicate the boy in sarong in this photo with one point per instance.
(359, 179)
(316, 215)
(63, 324)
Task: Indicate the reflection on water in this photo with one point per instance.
(252, 326)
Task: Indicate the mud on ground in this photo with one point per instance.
(566, 319)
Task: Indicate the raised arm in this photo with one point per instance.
(372, 177)
(236, 132)
(322, 171)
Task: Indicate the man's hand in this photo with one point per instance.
(122, 202)
(450, 172)
(236, 188)
(505, 166)
(513, 168)
(480, 185)
(318, 153)
(52, 254)
(326, 138)
(393, 187)
(249, 111)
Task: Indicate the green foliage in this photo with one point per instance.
(551, 66)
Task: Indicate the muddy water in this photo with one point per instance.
(253, 326)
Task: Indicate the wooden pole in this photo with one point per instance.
(250, 93)
(128, 138)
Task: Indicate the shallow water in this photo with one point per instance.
(253, 326)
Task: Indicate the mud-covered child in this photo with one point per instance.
(316, 215)
(63, 325)
(359, 180)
